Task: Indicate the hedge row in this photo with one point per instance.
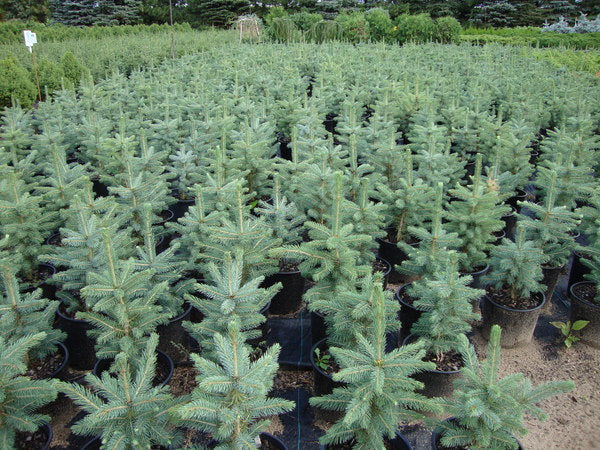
(11, 32)
(374, 25)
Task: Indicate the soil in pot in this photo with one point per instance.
(82, 353)
(163, 372)
(323, 380)
(438, 382)
(381, 265)
(436, 444)
(41, 278)
(270, 442)
(39, 439)
(173, 338)
(398, 443)
(477, 274)
(289, 298)
(517, 318)
(51, 366)
(408, 314)
(180, 207)
(96, 443)
(585, 307)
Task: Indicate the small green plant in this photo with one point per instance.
(322, 359)
(566, 328)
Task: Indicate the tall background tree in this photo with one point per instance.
(218, 13)
(96, 12)
(24, 10)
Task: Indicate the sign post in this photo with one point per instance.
(30, 39)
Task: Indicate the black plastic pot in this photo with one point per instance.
(54, 239)
(578, 270)
(477, 282)
(470, 171)
(517, 324)
(99, 188)
(398, 443)
(168, 217)
(96, 443)
(551, 275)
(510, 221)
(173, 338)
(271, 442)
(318, 328)
(533, 156)
(289, 298)
(330, 122)
(436, 436)
(61, 371)
(47, 430)
(520, 196)
(48, 290)
(285, 151)
(408, 314)
(385, 273)
(499, 236)
(394, 255)
(102, 365)
(582, 309)
(438, 383)
(323, 382)
(82, 354)
(180, 207)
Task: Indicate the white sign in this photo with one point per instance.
(30, 39)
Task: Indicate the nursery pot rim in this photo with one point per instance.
(170, 215)
(169, 360)
(389, 266)
(435, 433)
(65, 352)
(48, 428)
(398, 297)
(476, 272)
(70, 319)
(274, 438)
(285, 272)
(312, 358)
(186, 310)
(398, 435)
(582, 300)
(508, 308)
(412, 336)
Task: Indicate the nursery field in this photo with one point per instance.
(292, 246)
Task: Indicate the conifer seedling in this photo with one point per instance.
(487, 411)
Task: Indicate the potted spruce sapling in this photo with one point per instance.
(408, 204)
(486, 411)
(551, 227)
(225, 297)
(230, 401)
(585, 299)
(330, 257)
(25, 224)
(515, 296)
(348, 313)
(285, 221)
(379, 391)
(434, 244)
(23, 314)
(127, 411)
(183, 175)
(445, 301)
(368, 218)
(21, 397)
(475, 215)
(167, 267)
(123, 306)
(239, 231)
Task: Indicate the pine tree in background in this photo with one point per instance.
(25, 314)
(379, 391)
(28, 10)
(74, 12)
(228, 297)
(20, 397)
(446, 301)
(475, 216)
(126, 410)
(433, 252)
(218, 13)
(230, 401)
(488, 410)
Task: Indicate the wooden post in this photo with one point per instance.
(35, 71)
